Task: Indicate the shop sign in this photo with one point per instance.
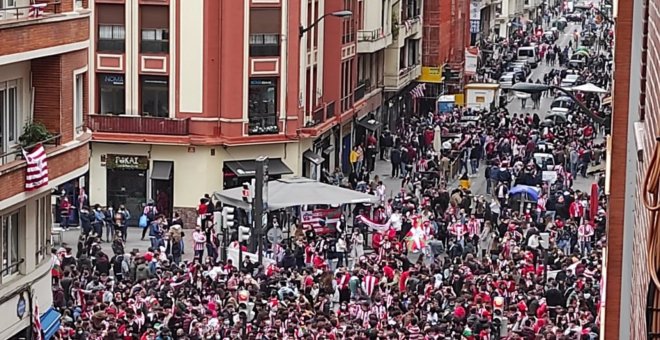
(127, 162)
(20, 307)
(431, 75)
(113, 79)
(475, 10)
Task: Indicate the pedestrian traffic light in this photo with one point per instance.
(228, 217)
(246, 192)
(244, 233)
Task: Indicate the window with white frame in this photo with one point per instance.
(43, 227)
(111, 38)
(10, 243)
(79, 86)
(10, 118)
(79, 4)
(7, 3)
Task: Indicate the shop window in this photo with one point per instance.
(79, 93)
(113, 92)
(155, 96)
(155, 41)
(7, 4)
(111, 38)
(10, 244)
(10, 117)
(262, 106)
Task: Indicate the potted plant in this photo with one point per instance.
(33, 133)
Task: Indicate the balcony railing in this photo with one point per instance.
(31, 12)
(361, 89)
(264, 45)
(155, 46)
(111, 45)
(18, 152)
(330, 110)
(318, 116)
(263, 125)
(370, 35)
(138, 125)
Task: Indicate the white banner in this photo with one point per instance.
(471, 54)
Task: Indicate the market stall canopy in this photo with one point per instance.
(589, 88)
(247, 168)
(296, 191)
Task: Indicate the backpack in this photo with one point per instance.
(144, 221)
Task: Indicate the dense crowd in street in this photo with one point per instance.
(431, 261)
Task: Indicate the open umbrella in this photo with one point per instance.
(582, 48)
(532, 192)
(581, 53)
(589, 88)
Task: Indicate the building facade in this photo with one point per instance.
(185, 95)
(43, 83)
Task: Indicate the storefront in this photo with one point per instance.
(75, 191)
(397, 104)
(369, 124)
(235, 173)
(126, 177)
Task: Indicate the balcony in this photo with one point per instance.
(264, 45)
(371, 41)
(330, 110)
(263, 125)
(130, 124)
(407, 28)
(155, 46)
(26, 13)
(318, 116)
(360, 90)
(111, 45)
(403, 78)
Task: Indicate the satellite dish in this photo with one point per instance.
(275, 235)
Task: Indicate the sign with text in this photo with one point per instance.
(475, 10)
(471, 60)
(127, 162)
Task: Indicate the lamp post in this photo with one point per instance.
(537, 88)
(338, 14)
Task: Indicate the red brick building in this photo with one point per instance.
(43, 79)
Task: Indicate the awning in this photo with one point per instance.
(296, 191)
(162, 171)
(369, 123)
(247, 168)
(50, 323)
(313, 157)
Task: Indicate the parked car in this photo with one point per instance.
(548, 37)
(570, 80)
(507, 80)
(574, 17)
(564, 103)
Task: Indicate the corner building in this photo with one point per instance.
(186, 94)
(43, 79)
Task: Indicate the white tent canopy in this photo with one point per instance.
(296, 191)
(589, 88)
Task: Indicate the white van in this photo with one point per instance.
(530, 54)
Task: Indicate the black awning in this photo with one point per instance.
(247, 168)
(162, 171)
(313, 157)
(369, 123)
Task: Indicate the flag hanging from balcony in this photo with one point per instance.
(36, 172)
(418, 91)
(36, 10)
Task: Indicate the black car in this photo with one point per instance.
(574, 17)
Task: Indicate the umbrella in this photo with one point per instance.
(582, 48)
(532, 192)
(562, 19)
(589, 88)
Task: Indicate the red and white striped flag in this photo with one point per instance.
(418, 91)
(36, 321)
(36, 175)
(36, 10)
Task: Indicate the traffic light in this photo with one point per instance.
(246, 192)
(228, 217)
(244, 233)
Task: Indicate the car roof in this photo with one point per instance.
(571, 77)
(563, 98)
(508, 74)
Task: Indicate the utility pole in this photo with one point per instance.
(260, 205)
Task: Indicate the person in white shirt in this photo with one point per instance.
(585, 232)
(340, 249)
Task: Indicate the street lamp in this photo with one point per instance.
(537, 88)
(338, 14)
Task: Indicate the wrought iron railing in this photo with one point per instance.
(17, 153)
(263, 125)
(370, 35)
(30, 12)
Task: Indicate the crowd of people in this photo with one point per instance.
(432, 261)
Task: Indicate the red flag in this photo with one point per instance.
(36, 173)
(36, 321)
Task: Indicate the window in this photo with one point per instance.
(155, 40)
(111, 87)
(79, 92)
(7, 3)
(262, 106)
(10, 259)
(264, 45)
(79, 4)
(43, 225)
(155, 96)
(10, 122)
(111, 38)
